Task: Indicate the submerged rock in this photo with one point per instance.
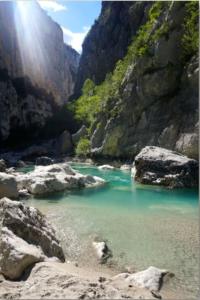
(8, 186)
(54, 178)
(26, 238)
(159, 166)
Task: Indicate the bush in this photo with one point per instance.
(190, 40)
(83, 147)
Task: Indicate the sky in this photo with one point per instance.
(74, 17)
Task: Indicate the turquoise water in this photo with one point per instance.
(143, 225)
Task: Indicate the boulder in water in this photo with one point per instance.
(159, 166)
(54, 178)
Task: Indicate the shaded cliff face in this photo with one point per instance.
(108, 39)
(37, 70)
(155, 100)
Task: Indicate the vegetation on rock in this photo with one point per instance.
(190, 40)
(95, 98)
(83, 147)
(99, 105)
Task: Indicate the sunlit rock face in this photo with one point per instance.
(37, 70)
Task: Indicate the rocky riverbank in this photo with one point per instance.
(53, 280)
(33, 257)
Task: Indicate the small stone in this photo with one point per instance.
(102, 251)
(102, 279)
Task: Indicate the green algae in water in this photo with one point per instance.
(143, 225)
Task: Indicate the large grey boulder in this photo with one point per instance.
(8, 186)
(54, 178)
(26, 238)
(159, 166)
(16, 254)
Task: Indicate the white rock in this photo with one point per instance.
(151, 278)
(125, 167)
(53, 178)
(24, 193)
(102, 251)
(106, 167)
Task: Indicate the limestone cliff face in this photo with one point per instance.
(108, 39)
(37, 70)
(157, 100)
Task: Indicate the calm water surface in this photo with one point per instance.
(143, 225)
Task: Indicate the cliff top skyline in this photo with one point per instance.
(74, 17)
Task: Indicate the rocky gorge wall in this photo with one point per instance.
(151, 97)
(37, 70)
(108, 39)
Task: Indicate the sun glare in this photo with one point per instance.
(29, 25)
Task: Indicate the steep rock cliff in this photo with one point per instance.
(155, 100)
(108, 39)
(37, 70)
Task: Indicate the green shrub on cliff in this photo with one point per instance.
(87, 105)
(83, 147)
(190, 40)
(94, 99)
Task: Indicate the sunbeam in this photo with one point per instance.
(31, 31)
